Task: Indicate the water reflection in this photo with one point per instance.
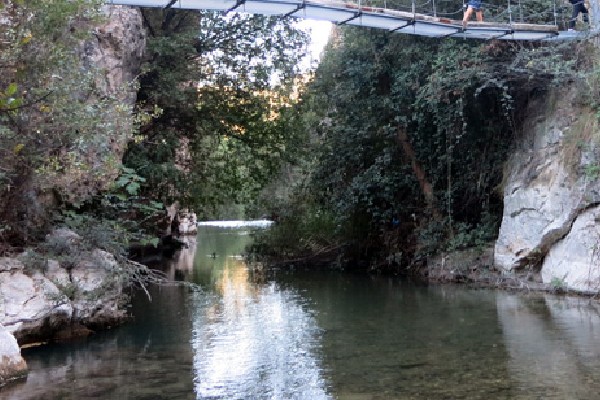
(252, 341)
(553, 344)
(385, 339)
(149, 358)
(321, 335)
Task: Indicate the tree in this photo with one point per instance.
(218, 136)
(411, 135)
(55, 120)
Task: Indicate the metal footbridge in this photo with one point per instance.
(432, 18)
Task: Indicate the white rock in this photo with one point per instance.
(31, 302)
(545, 190)
(12, 364)
(575, 261)
(10, 264)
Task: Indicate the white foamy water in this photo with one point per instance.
(260, 223)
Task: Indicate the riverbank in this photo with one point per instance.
(472, 267)
(70, 294)
(475, 267)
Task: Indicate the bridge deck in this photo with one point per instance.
(342, 13)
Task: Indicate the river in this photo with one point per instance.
(323, 335)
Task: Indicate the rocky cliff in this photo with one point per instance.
(550, 226)
(116, 49)
(61, 299)
(56, 300)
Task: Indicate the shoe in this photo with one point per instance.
(571, 30)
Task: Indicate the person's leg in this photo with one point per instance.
(479, 15)
(574, 16)
(585, 12)
(467, 15)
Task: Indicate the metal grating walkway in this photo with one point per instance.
(352, 13)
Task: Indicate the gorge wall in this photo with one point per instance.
(36, 304)
(551, 218)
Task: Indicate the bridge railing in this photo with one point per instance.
(504, 19)
(539, 12)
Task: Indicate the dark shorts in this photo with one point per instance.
(475, 4)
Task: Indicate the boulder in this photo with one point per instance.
(189, 223)
(574, 262)
(12, 365)
(98, 298)
(33, 306)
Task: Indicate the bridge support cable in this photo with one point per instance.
(424, 18)
(238, 3)
(301, 6)
(414, 10)
(357, 15)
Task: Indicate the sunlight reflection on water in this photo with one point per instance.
(258, 347)
(254, 341)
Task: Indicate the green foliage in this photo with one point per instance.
(34, 261)
(130, 181)
(8, 102)
(305, 230)
(558, 285)
(467, 236)
(118, 218)
(68, 289)
(221, 133)
(56, 124)
(592, 171)
(408, 137)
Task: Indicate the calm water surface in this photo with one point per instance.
(323, 336)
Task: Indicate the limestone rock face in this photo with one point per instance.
(575, 260)
(34, 305)
(118, 48)
(188, 223)
(112, 55)
(31, 304)
(56, 302)
(98, 296)
(12, 365)
(548, 195)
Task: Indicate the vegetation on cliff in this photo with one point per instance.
(395, 151)
(408, 141)
(52, 115)
(209, 129)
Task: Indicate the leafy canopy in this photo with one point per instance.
(221, 84)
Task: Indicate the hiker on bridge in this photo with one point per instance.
(578, 7)
(473, 6)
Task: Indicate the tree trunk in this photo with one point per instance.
(426, 187)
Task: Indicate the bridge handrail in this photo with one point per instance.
(506, 11)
